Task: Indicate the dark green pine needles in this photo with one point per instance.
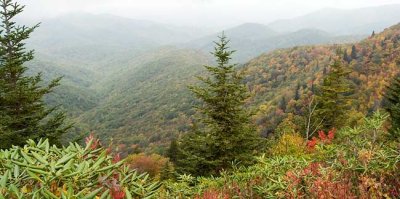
(332, 99)
(224, 133)
(22, 111)
(392, 106)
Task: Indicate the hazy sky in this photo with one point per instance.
(195, 12)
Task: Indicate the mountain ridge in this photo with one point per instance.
(342, 22)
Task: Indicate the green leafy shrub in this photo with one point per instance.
(357, 162)
(266, 179)
(39, 170)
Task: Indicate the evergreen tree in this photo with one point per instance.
(225, 134)
(196, 155)
(173, 151)
(346, 57)
(22, 111)
(282, 104)
(325, 71)
(297, 92)
(167, 172)
(392, 106)
(331, 97)
(353, 52)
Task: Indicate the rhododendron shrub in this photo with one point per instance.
(347, 163)
(263, 180)
(39, 170)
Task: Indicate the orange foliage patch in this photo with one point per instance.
(151, 164)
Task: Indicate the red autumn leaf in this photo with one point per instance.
(322, 135)
(116, 158)
(117, 193)
(331, 134)
(312, 143)
(96, 142)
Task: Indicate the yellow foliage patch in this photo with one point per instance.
(289, 144)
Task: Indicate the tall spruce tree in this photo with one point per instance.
(172, 152)
(225, 132)
(353, 54)
(332, 99)
(22, 111)
(392, 106)
(346, 57)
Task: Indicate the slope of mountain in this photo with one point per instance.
(250, 40)
(343, 22)
(74, 93)
(86, 48)
(147, 102)
(282, 82)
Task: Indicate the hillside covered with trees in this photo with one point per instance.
(284, 81)
(281, 84)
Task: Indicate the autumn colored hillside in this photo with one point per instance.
(284, 81)
(280, 82)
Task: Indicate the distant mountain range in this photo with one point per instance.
(89, 38)
(324, 26)
(343, 22)
(127, 79)
(250, 40)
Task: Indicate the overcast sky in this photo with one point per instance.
(195, 12)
